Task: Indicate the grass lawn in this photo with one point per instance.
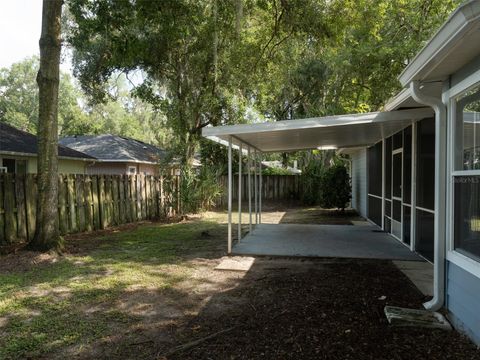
(138, 291)
(84, 296)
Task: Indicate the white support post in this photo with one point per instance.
(249, 166)
(255, 186)
(240, 193)
(230, 178)
(260, 190)
(383, 183)
(413, 199)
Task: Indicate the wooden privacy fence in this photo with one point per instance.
(274, 187)
(86, 202)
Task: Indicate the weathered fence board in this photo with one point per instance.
(274, 187)
(85, 202)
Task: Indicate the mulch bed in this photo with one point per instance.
(332, 310)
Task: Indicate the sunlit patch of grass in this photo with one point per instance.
(47, 309)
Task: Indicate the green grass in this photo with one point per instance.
(48, 308)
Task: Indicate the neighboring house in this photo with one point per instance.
(117, 155)
(276, 164)
(18, 154)
(416, 165)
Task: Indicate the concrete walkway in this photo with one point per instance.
(343, 241)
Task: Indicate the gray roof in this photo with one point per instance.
(13, 140)
(114, 148)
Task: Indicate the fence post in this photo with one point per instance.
(21, 207)
(9, 200)
(88, 203)
(62, 205)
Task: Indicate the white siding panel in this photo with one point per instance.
(359, 181)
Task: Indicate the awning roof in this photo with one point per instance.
(341, 131)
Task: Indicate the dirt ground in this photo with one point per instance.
(145, 291)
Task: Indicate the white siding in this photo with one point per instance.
(359, 181)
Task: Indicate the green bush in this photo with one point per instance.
(199, 189)
(336, 189)
(311, 181)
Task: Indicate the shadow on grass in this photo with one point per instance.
(80, 298)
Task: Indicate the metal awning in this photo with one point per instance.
(330, 132)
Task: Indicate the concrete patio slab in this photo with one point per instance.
(419, 273)
(342, 241)
(235, 263)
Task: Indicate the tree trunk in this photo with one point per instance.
(46, 231)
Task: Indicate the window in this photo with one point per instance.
(10, 165)
(132, 170)
(21, 167)
(466, 182)
(467, 109)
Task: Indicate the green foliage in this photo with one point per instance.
(198, 191)
(19, 97)
(311, 181)
(336, 188)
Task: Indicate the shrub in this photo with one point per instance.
(199, 190)
(336, 187)
(311, 182)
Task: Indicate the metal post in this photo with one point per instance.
(413, 199)
(230, 195)
(240, 193)
(383, 182)
(260, 191)
(255, 186)
(249, 165)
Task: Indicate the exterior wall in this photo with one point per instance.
(104, 168)
(121, 168)
(463, 301)
(359, 182)
(462, 298)
(65, 166)
(147, 169)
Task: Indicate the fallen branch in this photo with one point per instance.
(195, 342)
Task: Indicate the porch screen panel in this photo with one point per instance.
(375, 169)
(388, 168)
(406, 224)
(407, 165)
(426, 164)
(375, 210)
(397, 142)
(374, 161)
(424, 234)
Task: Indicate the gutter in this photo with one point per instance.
(440, 188)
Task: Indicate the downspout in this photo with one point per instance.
(440, 175)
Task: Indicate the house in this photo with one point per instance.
(276, 165)
(18, 154)
(117, 155)
(415, 165)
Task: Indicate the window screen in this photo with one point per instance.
(426, 163)
(468, 131)
(397, 141)
(467, 215)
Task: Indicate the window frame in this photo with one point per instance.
(450, 97)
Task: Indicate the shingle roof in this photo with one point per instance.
(114, 148)
(13, 140)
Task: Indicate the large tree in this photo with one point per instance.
(46, 231)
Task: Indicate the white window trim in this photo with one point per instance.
(132, 167)
(465, 262)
